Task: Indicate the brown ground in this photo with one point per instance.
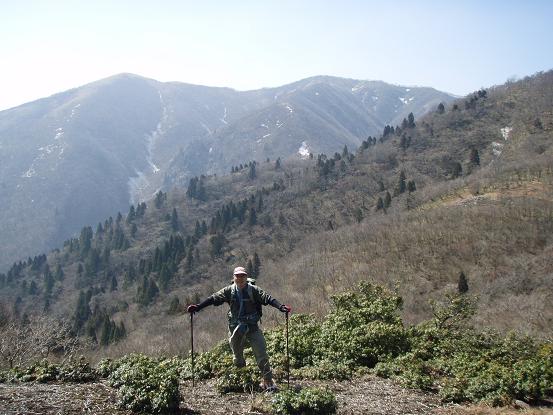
(366, 395)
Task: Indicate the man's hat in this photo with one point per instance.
(240, 271)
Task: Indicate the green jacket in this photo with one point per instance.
(229, 295)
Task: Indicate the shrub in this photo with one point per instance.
(309, 401)
(245, 379)
(324, 370)
(304, 335)
(447, 354)
(145, 384)
(45, 371)
(364, 327)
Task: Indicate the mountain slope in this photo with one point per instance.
(84, 154)
(318, 228)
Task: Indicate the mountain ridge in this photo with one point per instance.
(90, 151)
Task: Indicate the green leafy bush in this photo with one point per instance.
(448, 355)
(308, 401)
(245, 379)
(304, 336)
(145, 384)
(45, 371)
(363, 328)
(77, 371)
(324, 370)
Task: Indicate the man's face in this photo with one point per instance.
(241, 280)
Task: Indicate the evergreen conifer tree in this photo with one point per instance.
(113, 286)
(387, 200)
(256, 265)
(175, 220)
(474, 157)
(252, 219)
(252, 174)
(249, 269)
(462, 284)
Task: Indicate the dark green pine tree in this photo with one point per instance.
(379, 204)
(48, 283)
(260, 202)
(441, 108)
(33, 289)
(256, 265)
(202, 193)
(113, 286)
(190, 259)
(411, 120)
(59, 273)
(249, 269)
(474, 157)
(131, 215)
(164, 277)
(457, 170)
(401, 185)
(252, 174)
(358, 214)
(159, 199)
(174, 306)
(105, 337)
(252, 219)
(82, 312)
(411, 186)
(462, 284)
(387, 200)
(175, 225)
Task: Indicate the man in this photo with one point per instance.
(245, 300)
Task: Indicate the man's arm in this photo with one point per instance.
(216, 299)
(267, 299)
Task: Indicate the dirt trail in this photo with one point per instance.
(367, 395)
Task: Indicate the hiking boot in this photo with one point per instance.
(268, 387)
(271, 389)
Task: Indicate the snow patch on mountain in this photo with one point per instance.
(207, 129)
(505, 132)
(44, 151)
(224, 119)
(497, 148)
(139, 185)
(289, 108)
(358, 87)
(303, 151)
(406, 100)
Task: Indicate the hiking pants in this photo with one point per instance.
(257, 341)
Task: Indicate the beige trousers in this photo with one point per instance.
(257, 341)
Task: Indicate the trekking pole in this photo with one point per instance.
(192, 346)
(287, 354)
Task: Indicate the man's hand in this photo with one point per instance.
(192, 308)
(285, 308)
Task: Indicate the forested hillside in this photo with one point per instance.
(458, 200)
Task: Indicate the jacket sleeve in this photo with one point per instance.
(266, 298)
(221, 296)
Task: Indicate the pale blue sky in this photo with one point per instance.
(51, 46)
